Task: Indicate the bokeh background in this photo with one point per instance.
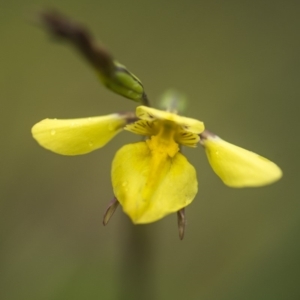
(238, 63)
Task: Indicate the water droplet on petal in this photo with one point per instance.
(124, 183)
(91, 144)
(53, 132)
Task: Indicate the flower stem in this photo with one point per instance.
(136, 280)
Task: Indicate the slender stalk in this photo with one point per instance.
(136, 280)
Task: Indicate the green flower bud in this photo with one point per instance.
(124, 83)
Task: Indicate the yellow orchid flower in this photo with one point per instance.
(151, 178)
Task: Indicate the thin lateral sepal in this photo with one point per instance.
(181, 221)
(110, 210)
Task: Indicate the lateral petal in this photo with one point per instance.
(238, 167)
(149, 188)
(77, 136)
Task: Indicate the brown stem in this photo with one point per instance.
(76, 34)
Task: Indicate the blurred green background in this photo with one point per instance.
(238, 63)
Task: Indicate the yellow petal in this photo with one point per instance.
(77, 136)
(150, 187)
(187, 124)
(238, 167)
